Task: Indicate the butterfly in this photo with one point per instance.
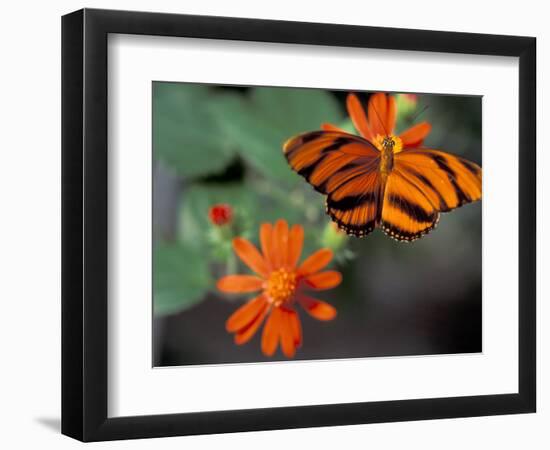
(381, 180)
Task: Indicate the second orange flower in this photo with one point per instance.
(379, 120)
(281, 284)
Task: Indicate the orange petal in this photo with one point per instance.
(245, 334)
(324, 280)
(280, 243)
(414, 136)
(316, 308)
(287, 335)
(391, 115)
(250, 255)
(266, 242)
(378, 114)
(240, 283)
(295, 244)
(296, 328)
(316, 262)
(358, 117)
(270, 335)
(243, 316)
(331, 127)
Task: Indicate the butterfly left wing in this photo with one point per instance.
(345, 168)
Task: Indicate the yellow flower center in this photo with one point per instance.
(281, 286)
(391, 142)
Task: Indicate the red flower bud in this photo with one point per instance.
(220, 214)
(411, 97)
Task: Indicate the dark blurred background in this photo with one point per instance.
(215, 144)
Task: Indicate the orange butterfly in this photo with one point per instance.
(378, 179)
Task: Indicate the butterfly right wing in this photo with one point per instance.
(424, 183)
(448, 180)
(345, 168)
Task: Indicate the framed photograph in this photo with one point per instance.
(273, 224)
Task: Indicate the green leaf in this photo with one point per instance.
(291, 111)
(259, 127)
(181, 278)
(257, 142)
(186, 134)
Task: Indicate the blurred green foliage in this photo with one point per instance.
(176, 288)
(183, 120)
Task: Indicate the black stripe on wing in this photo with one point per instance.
(451, 174)
(342, 212)
(419, 220)
(411, 209)
(422, 182)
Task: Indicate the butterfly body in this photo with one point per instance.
(379, 182)
(386, 156)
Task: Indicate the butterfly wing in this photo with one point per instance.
(345, 168)
(422, 184)
(448, 180)
(407, 212)
(355, 205)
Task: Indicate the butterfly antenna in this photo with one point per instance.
(419, 113)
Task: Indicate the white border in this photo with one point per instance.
(135, 388)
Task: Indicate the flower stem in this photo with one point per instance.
(231, 264)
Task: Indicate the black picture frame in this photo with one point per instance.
(84, 224)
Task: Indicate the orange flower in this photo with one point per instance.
(379, 122)
(282, 283)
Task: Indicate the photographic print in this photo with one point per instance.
(306, 224)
